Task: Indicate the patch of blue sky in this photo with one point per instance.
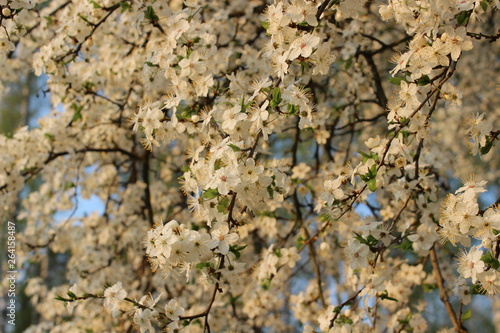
(82, 206)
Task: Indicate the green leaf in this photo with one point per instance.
(292, 109)
(28, 170)
(372, 241)
(365, 155)
(234, 147)
(463, 18)
(201, 265)
(348, 64)
(487, 147)
(210, 193)
(125, 5)
(305, 67)
(95, 4)
(233, 299)
(87, 85)
(270, 190)
(405, 245)
(406, 135)
(222, 205)
(71, 294)
(276, 97)
(265, 24)
(51, 137)
(324, 217)
(84, 18)
(404, 121)
(299, 243)
(235, 249)
(361, 239)
(49, 19)
(476, 289)
(424, 80)
(372, 184)
(241, 247)
(489, 259)
(150, 14)
(385, 295)
(217, 164)
(77, 115)
(429, 287)
(237, 254)
(344, 320)
(244, 106)
(396, 80)
(467, 314)
(484, 5)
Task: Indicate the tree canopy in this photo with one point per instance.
(263, 166)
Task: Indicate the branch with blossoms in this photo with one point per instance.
(144, 309)
(338, 309)
(270, 187)
(447, 73)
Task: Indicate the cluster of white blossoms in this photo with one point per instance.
(300, 175)
(461, 222)
(174, 247)
(146, 311)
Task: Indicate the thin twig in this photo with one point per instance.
(341, 306)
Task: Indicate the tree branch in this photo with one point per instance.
(443, 295)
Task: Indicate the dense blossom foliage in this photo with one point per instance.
(280, 165)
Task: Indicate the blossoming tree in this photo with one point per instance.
(263, 165)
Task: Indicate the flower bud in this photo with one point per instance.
(486, 243)
(6, 12)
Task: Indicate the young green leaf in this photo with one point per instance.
(210, 193)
